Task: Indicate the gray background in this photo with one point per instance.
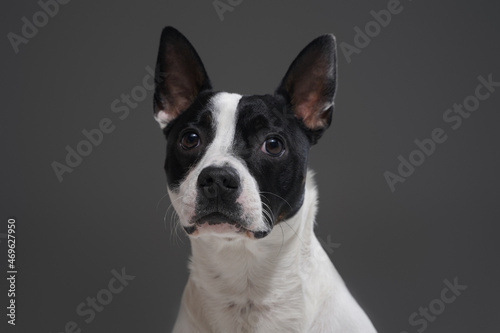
(396, 248)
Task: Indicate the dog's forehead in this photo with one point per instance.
(220, 109)
(224, 106)
(254, 108)
(238, 120)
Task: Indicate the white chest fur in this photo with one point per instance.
(282, 283)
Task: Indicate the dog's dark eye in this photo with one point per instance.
(273, 146)
(190, 140)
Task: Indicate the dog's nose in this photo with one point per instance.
(218, 181)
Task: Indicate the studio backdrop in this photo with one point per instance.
(407, 174)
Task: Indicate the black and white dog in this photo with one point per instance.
(237, 177)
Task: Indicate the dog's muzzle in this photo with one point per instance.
(218, 190)
(217, 206)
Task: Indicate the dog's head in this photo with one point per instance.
(236, 165)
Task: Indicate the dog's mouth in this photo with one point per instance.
(222, 225)
(216, 218)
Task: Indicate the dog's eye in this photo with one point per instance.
(273, 146)
(190, 140)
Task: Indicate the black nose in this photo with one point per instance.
(218, 181)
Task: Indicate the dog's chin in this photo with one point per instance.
(220, 225)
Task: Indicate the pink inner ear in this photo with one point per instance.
(312, 120)
(181, 95)
(309, 106)
(182, 80)
(181, 98)
(171, 110)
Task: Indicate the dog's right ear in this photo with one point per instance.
(310, 83)
(180, 76)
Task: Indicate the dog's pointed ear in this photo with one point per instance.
(310, 83)
(180, 76)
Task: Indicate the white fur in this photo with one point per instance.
(163, 118)
(284, 282)
(223, 107)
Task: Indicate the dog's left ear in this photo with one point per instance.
(310, 83)
(180, 76)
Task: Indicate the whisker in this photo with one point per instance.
(267, 211)
(277, 197)
(174, 227)
(174, 220)
(163, 197)
(171, 205)
(282, 240)
(295, 232)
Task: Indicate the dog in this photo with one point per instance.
(237, 177)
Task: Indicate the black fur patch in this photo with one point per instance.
(280, 179)
(197, 118)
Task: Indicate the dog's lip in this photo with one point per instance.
(216, 218)
(225, 230)
(217, 223)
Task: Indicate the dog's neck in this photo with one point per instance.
(244, 270)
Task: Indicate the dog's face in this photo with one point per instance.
(236, 165)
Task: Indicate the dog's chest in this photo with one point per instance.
(240, 295)
(251, 317)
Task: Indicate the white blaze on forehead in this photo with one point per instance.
(224, 107)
